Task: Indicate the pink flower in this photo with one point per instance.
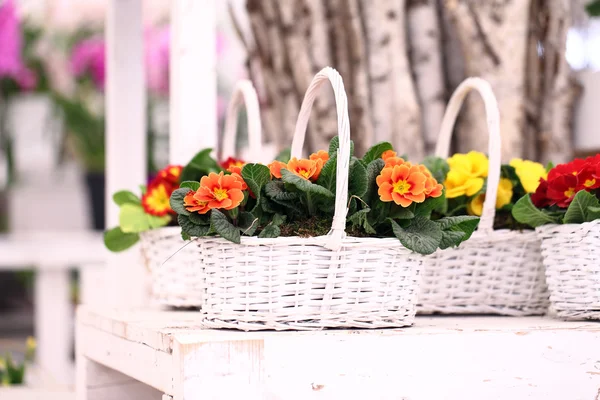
(88, 57)
(157, 59)
(11, 39)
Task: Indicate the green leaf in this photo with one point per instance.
(143, 189)
(284, 155)
(200, 165)
(357, 180)
(578, 211)
(134, 219)
(451, 239)
(335, 144)
(526, 213)
(327, 177)
(376, 151)
(450, 226)
(360, 219)
(438, 167)
(199, 219)
(270, 231)
(116, 240)
(304, 184)
(594, 213)
(192, 229)
(247, 223)
(256, 176)
(399, 212)
(223, 227)
(176, 201)
(276, 190)
(425, 208)
(125, 197)
(185, 236)
(278, 219)
(422, 235)
(373, 170)
(193, 185)
(593, 8)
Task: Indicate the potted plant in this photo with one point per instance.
(565, 210)
(12, 372)
(332, 240)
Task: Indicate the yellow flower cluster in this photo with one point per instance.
(468, 173)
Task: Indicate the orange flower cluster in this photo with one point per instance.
(156, 199)
(404, 183)
(218, 191)
(308, 169)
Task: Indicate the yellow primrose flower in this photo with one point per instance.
(529, 173)
(460, 184)
(466, 175)
(503, 197)
(473, 164)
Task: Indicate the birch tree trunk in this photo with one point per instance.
(401, 59)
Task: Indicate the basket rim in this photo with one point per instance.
(567, 228)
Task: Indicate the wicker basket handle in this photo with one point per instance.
(494, 144)
(243, 93)
(337, 232)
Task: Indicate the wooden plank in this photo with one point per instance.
(125, 137)
(24, 393)
(97, 382)
(136, 360)
(193, 79)
(54, 323)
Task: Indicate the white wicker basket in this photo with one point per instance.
(330, 281)
(495, 271)
(571, 255)
(174, 265)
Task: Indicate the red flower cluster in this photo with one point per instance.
(156, 199)
(565, 180)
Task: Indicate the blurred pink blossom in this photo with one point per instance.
(157, 60)
(11, 40)
(88, 57)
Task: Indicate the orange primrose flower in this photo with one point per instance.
(388, 154)
(307, 169)
(156, 199)
(321, 154)
(402, 184)
(393, 161)
(432, 187)
(192, 204)
(275, 167)
(170, 174)
(220, 191)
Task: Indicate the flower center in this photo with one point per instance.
(220, 194)
(589, 183)
(569, 193)
(304, 173)
(401, 187)
(159, 198)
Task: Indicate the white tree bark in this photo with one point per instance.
(426, 55)
(494, 40)
(406, 115)
(559, 89)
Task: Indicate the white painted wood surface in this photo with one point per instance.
(24, 393)
(125, 138)
(193, 79)
(439, 358)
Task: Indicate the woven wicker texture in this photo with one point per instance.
(331, 281)
(174, 266)
(571, 255)
(176, 278)
(495, 271)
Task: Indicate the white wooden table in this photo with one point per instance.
(148, 354)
